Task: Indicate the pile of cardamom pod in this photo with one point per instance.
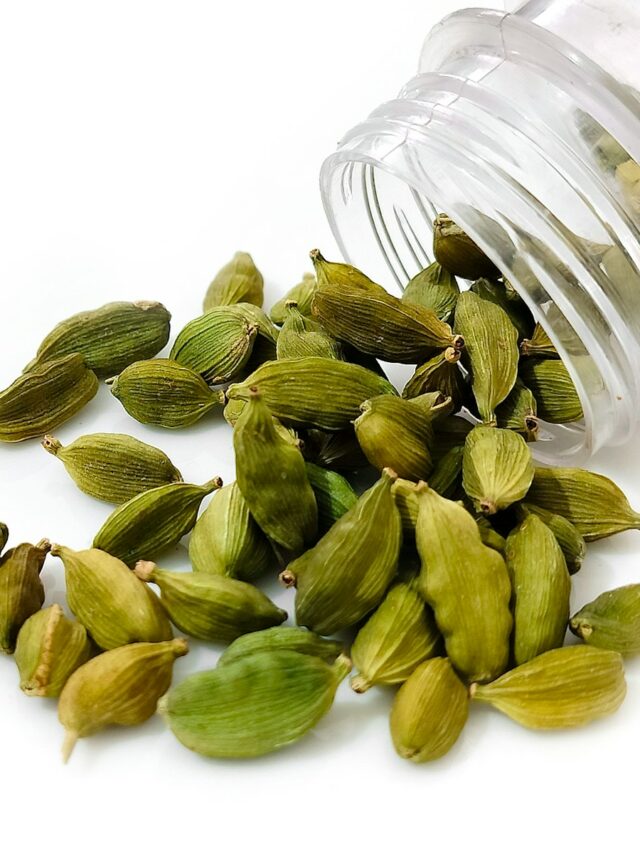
(449, 576)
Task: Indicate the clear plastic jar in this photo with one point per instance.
(525, 128)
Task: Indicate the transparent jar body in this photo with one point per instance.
(524, 127)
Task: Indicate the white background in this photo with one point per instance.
(141, 145)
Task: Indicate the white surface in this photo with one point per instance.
(142, 144)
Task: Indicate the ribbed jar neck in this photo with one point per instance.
(472, 138)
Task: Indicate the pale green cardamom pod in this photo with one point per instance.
(120, 687)
(511, 303)
(541, 589)
(313, 391)
(434, 288)
(21, 590)
(354, 309)
(113, 467)
(567, 535)
(490, 537)
(46, 397)
(497, 468)
(227, 541)
(282, 639)
(466, 584)
(457, 252)
(252, 706)
(272, 478)
(491, 348)
(592, 502)
(301, 336)
(110, 338)
(153, 521)
(213, 608)
(106, 597)
(238, 281)
(334, 495)
(553, 388)
(217, 345)
(302, 294)
(429, 712)
(441, 373)
(50, 648)
(345, 576)
(164, 393)
(396, 638)
(539, 344)
(611, 621)
(559, 689)
(519, 412)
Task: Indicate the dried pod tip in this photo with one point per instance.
(144, 570)
(254, 392)
(51, 444)
(389, 474)
(161, 707)
(147, 305)
(342, 666)
(316, 255)
(531, 423)
(180, 646)
(420, 487)
(44, 545)
(488, 507)
(287, 578)
(472, 690)
(452, 354)
(525, 346)
(291, 303)
(213, 485)
(70, 740)
(359, 684)
(458, 342)
(112, 382)
(56, 550)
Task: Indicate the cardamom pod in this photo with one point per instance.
(558, 689)
(267, 333)
(491, 350)
(451, 431)
(611, 621)
(281, 639)
(567, 535)
(429, 712)
(541, 589)
(503, 295)
(4, 536)
(120, 687)
(302, 294)
(227, 541)
(114, 606)
(497, 468)
(342, 578)
(153, 521)
(252, 706)
(110, 338)
(238, 281)
(457, 252)
(354, 309)
(396, 433)
(339, 451)
(466, 584)
(553, 388)
(21, 590)
(272, 478)
(164, 393)
(592, 502)
(446, 477)
(49, 649)
(313, 391)
(441, 373)
(519, 412)
(45, 397)
(216, 345)
(397, 637)
(539, 344)
(113, 467)
(434, 288)
(490, 537)
(301, 336)
(214, 608)
(334, 495)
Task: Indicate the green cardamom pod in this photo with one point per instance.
(354, 309)
(272, 478)
(446, 477)
(4, 536)
(281, 639)
(227, 541)
(400, 635)
(110, 338)
(252, 706)
(302, 294)
(519, 412)
(339, 451)
(611, 621)
(434, 288)
(45, 397)
(429, 712)
(449, 432)
(497, 468)
(541, 589)
(559, 689)
(113, 467)
(539, 344)
(21, 590)
(120, 687)
(106, 597)
(490, 537)
(313, 391)
(441, 373)
(238, 281)
(213, 608)
(396, 433)
(301, 336)
(553, 388)
(153, 521)
(511, 303)
(491, 351)
(567, 535)
(592, 502)
(457, 252)
(164, 393)
(50, 648)
(345, 576)
(267, 332)
(216, 345)
(334, 495)
(466, 584)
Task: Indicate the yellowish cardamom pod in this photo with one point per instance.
(434, 288)
(301, 336)
(216, 345)
(497, 468)
(282, 639)
(503, 295)
(519, 412)
(4, 536)
(238, 281)
(611, 621)
(302, 294)
(441, 373)
(21, 590)
(556, 395)
(539, 344)
(567, 535)
(457, 252)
